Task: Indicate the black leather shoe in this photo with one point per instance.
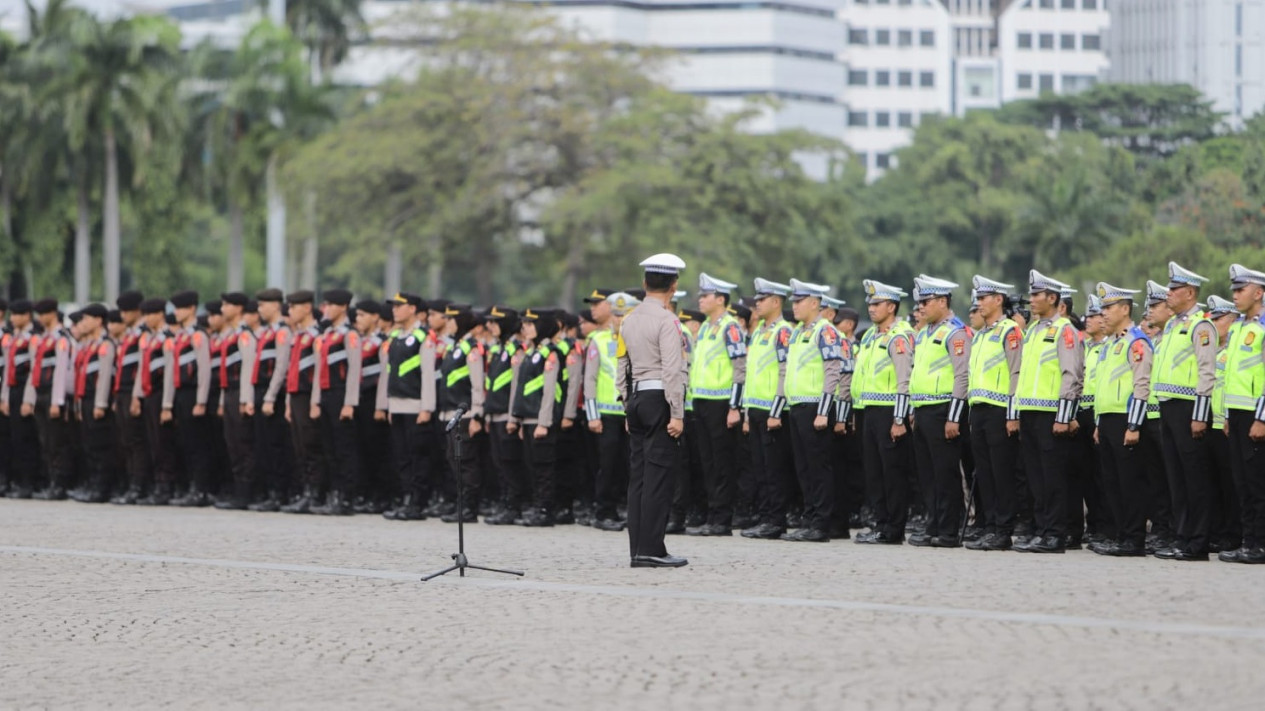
(1229, 556)
(335, 505)
(997, 542)
(710, 529)
(127, 498)
(1121, 549)
(231, 503)
(1048, 544)
(946, 542)
(505, 517)
(408, 512)
(921, 540)
(1167, 553)
(160, 496)
(676, 527)
(1252, 556)
(974, 533)
(564, 517)
(660, 561)
(1023, 543)
(52, 493)
(1100, 546)
(839, 532)
(742, 521)
(193, 499)
(1184, 554)
(272, 503)
(470, 516)
(537, 518)
(810, 535)
(608, 524)
(1073, 544)
(886, 539)
(766, 531)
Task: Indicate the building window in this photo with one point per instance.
(927, 79)
(905, 3)
(1025, 40)
(1046, 82)
(1091, 42)
(882, 38)
(882, 119)
(927, 38)
(858, 77)
(905, 79)
(1076, 83)
(905, 38)
(1047, 40)
(858, 36)
(905, 119)
(1238, 20)
(858, 118)
(1238, 61)
(1090, 4)
(882, 160)
(1069, 4)
(1047, 4)
(1067, 41)
(1025, 80)
(882, 77)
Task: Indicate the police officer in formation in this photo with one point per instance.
(1131, 434)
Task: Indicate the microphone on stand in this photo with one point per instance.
(456, 418)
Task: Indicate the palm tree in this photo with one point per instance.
(120, 82)
(326, 28)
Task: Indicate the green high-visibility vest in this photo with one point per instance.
(1090, 386)
(712, 372)
(1218, 391)
(607, 395)
(880, 374)
(864, 352)
(805, 368)
(931, 381)
(1244, 369)
(1114, 374)
(990, 371)
(763, 365)
(1039, 373)
(1176, 371)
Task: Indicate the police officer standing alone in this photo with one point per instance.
(651, 378)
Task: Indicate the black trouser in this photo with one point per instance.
(24, 443)
(341, 443)
(569, 453)
(411, 451)
(193, 437)
(1247, 458)
(773, 464)
(1123, 480)
(131, 439)
(467, 465)
(612, 470)
(653, 456)
(377, 478)
(1084, 493)
(940, 460)
(540, 455)
(845, 461)
(57, 443)
(272, 441)
(309, 449)
(1046, 460)
(239, 438)
(689, 495)
(745, 484)
(6, 453)
(811, 448)
(886, 471)
(221, 473)
(995, 454)
(160, 439)
(716, 447)
(1226, 519)
(1159, 503)
(98, 436)
(507, 455)
(1186, 461)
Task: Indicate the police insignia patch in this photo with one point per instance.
(1249, 338)
(959, 346)
(1204, 339)
(1137, 351)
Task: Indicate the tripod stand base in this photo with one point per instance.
(460, 564)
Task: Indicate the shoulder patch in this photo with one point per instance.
(1069, 337)
(1204, 338)
(197, 338)
(959, 346)
(899, 344)
(1138, 351)
(281, 337)
(103, 349)
(1013, 338)
(784, 336)
(352, 339)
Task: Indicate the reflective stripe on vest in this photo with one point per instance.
(990, 371)
(1175, 373)
(712, 371)
(1244, 369)
(880, 378)
(1040, 376)
(931, 381)
(762, 366)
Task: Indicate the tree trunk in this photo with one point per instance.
(236, 246)
(392, 271)
(307, 272)
(6, 225)
(575, 262)
(435, 267)
(111, 238)
(276, 239)
(83, 242)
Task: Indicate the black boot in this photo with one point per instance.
(335, 505)
(161, 496)
(235, 501)
(272, 503)
(54, 492)
(195, 498)
(301, 505)
(127, 498)
(505, 517)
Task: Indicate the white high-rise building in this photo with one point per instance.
(899, 69)
(1217, 46)
(1051, 46)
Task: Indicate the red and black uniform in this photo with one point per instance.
(94, 375)
(377, 479)
(51, 384)
(338, 374)
(148, 387)
(22, 437)
(309, 453)
(272, 433)
(186, 387)
(130, 431)
(239, 433)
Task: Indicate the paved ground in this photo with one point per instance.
(105, 606)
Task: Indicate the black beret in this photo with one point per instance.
(405, 298)
(129, 300)
(388, 311)
(235, 298)
(251, 307)
(96, 310)
(369, 307)
(213, 308)
(302, 296)
(45, 306)
(115, 316)
(274, 295)
(76, 316)
(599, 294)
(451, 309)
(184, 299)
(4, 304)
(170, 318)
(21, 306)
(341, 297)
(153, 306)
(440, 305)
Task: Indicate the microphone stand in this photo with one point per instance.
(459, 560)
